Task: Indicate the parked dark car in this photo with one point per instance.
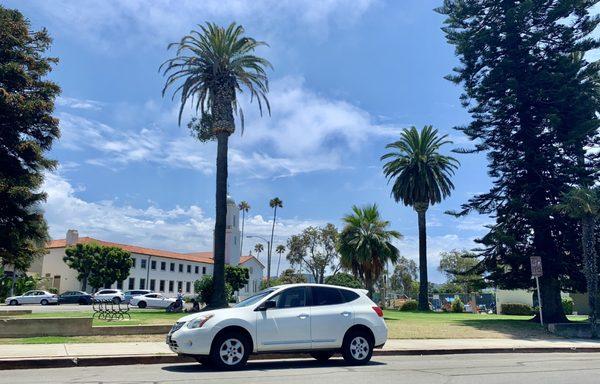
(75, 297)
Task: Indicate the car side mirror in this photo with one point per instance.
(267, 305)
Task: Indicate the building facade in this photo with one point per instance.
(157, 270)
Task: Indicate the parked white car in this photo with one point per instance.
(114, 295)
(319, 319)
(151, 300)
(33, 297)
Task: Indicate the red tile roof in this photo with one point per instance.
(245, 259)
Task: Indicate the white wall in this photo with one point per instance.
(256, 275)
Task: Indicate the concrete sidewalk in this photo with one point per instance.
(64, 355)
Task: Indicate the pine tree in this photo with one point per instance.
(27, 130)
(533, 99)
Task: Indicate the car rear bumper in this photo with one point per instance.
(380, 333)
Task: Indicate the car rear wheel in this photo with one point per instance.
(116, 300)
(229, 351)
(142, 304)
(357, 348)
(13, 302)
(321, 356)
(44, 302)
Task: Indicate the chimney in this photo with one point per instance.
(72, 237)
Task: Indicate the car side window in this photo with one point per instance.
(349, 295)
(291, 298)
(326, 296)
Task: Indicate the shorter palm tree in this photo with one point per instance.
(366, 244)
(279, 250)
(258, 248)
(244, 207)
(584, 204)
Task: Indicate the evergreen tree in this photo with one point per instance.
(27, 130)
(533, 100)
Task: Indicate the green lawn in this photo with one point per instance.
(415, 325)
(138, 317)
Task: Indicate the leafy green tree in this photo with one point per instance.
(344, 280)
(404, 275)
(316, 249)
(27, 131)
(462, 270)
(210, 67)
(421, 177)
(244, 207)
(236, 276)
(98, 265)
(534, 99)
(365, 244)
(290, 276)
(205, 289)
(584, 204)
(273, 203)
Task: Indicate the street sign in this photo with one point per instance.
(536, 266)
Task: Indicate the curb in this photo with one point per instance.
(98, 361)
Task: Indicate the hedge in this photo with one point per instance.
(516, 309)
(410, 305)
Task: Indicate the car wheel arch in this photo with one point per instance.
(360, 328)
(237, 329)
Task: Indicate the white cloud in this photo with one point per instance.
(74, 103)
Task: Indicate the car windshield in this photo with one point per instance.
(255, 298)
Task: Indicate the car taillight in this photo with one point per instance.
(378, 311)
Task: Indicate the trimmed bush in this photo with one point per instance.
(516, 309)
(567, 304)
(204, 287)
(410, 305)
(458, 306)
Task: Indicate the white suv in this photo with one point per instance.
(114, 295)
(319, 319)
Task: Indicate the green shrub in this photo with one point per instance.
(567, 304)
(516, 309)
(458, 306)
(204, 287)
(344, 280)
(410, 305)
(53, 290)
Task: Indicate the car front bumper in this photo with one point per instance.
(187, 341)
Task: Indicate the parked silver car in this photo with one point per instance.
(33, 297)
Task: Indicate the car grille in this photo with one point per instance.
(177, 326)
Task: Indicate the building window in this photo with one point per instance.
(119, 285)
(170, 285)
(152, 284)
(180, 267)
(172, 267)
(187, 287)
(163, 266)
(196, 269)
(204, 270)
(131, 283)
(179, 286)
(143, 263)
(142, 284)
(133, 259)
(189, 269)
(161, 286)
(153, 265)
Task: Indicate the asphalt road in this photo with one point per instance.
(580, 368)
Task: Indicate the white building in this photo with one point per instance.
(154, 269)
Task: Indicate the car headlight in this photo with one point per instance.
(198, 322)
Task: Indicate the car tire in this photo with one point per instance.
(116, 300)
(229, 351)
(142, 304)
(44, 302)
(357, 348)
(322, 356)
(82, 302)
(13, 302)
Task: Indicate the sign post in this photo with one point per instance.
(537, 272)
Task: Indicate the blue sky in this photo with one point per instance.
(349, 75)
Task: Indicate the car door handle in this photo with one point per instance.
(345, 314)
(303, 316)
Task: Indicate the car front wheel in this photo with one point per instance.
(229, 351)
(13, 302)
(357, 348)
(116, 300)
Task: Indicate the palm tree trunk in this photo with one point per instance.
(270, 246)
(590, 261)
(218, 299)
(242, 239)
(423, 280)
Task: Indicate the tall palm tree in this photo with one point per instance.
(243, 207)
(421, 177)
(274, 203)
(366, 244)
(211, 66)
(583, 204)
(258, 248)
(280, 249)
